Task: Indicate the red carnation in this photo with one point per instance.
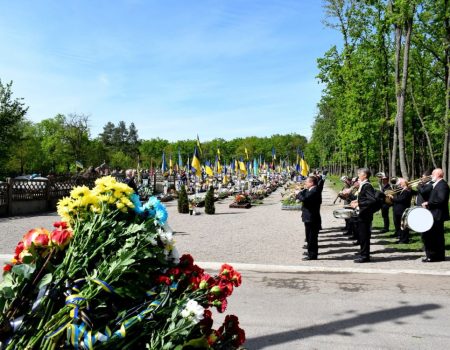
(162, 279)
(7, 268)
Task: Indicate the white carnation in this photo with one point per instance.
(193, 311)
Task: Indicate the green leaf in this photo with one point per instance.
(24, 270)
(47, 279)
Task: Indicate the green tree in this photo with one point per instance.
(209, 202)
(183, 201)
(12, 112)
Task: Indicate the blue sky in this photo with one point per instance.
(176, 69)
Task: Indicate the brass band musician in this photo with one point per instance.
(401, 201)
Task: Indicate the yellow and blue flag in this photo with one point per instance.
(199, 146)
(163, 164)
(196, 168)
(208, 170)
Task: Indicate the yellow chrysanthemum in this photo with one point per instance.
(80, 191)
(120, 205)
(88, 200)
(127, 202)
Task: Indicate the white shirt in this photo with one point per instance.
(434, 185)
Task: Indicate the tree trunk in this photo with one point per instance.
(398, 44)
(445, 151)
(425, 131)
(401, 95)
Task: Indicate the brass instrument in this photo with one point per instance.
(413, 183)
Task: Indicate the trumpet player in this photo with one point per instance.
(364, 202)
(401, 201)
(424, 188)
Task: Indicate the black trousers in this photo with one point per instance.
(385, 215)
(434, 241)
(312, 236)
(403, 235)
(365, 231)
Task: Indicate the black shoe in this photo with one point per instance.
(361, 260)
(307, 258)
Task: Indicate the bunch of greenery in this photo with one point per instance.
(183, 201)
(209, 201)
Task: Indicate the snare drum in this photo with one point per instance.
(417, 219)
(343, 213)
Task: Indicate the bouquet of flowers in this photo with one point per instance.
(109, 277)
(242, 198)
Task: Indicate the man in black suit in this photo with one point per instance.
(402, 201)
(311, 198)
(424, 189)
(364, 202)
(434, 240)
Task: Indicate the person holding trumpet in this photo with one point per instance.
(364, 202)
(401, 199)
(311, 197)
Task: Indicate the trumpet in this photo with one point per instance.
(413, 183)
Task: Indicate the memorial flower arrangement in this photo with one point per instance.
(242, 198)
(109, 277)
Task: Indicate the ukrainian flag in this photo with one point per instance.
(163, 165)
(242, 167)
(196, 168)
(199, 146)
(208, 170)
(305, 167)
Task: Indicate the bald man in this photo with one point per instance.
(434, 240)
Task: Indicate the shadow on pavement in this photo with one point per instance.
(338, 327)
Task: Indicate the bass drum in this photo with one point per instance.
(417, 219)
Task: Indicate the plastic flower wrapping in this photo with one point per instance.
(108, 276)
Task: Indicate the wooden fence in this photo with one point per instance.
(19, 197)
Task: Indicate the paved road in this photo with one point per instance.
(343, 311)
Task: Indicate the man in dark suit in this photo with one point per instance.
(402, 201)
(434, 240)
(424, 189)
(364, 202)
(311, 198)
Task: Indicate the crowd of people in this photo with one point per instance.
(431, 192)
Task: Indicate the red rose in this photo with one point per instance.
(61, 237)
(37, 236)
(19, 248)
(60, 224)
(7, 268)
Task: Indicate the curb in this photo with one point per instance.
(303, 268)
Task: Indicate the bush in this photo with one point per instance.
(209, 202)
(183, 202)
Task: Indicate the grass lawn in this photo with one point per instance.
(414, 237)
